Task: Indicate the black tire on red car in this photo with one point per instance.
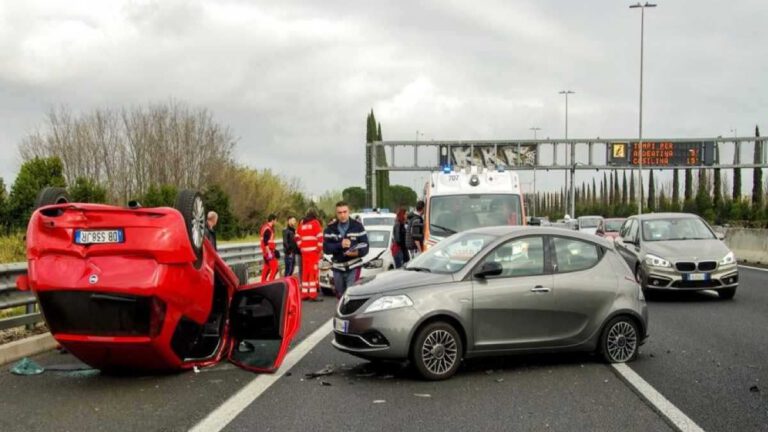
(190, 204)
(51, 195)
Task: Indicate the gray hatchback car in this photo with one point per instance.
(677, 252)
(492, 291)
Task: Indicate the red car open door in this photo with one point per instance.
(264, 319)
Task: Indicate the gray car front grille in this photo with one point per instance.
(686, 266)
(707, 265)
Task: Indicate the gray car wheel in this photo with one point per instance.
(620, 340)
(437, 351)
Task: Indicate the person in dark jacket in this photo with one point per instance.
(210, 233)
(290, 248)
(399, 246)
(347, 242)
(414, 237)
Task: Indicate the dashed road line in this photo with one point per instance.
(662, 405)
(227, 411)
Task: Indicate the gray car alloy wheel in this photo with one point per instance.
(198, 222)
(621, 342)
(439, 352)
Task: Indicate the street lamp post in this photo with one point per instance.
(640, 128)
(569, 195)
(535, 196)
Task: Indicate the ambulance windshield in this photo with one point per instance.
(450, 214)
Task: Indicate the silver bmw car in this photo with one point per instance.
(492, 291)
(677, 252)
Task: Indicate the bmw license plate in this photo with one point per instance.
(697, 276)
(99, 236)
(341, 326)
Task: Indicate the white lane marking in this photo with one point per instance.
(753, 268)
(663, 406)
(227, 411)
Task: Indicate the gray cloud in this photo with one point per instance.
(295, 79)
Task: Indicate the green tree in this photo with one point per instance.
(86, 191)
(162, 196)
(703, 199)
(355, 196)
(736, 195)
(624, 199)
(688, 194)
(4, 222)
(34, 175)
(675, 190)
(632, 188)
(616, 195)
(651, 192)
(757, 177)
(401, 196)
(217, 200)
(373, 133)
(718, 195)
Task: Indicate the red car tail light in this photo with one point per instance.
(156, 317)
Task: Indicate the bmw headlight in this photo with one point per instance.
(654, 261)
(389, 302)
(374, 263)
(728, 259)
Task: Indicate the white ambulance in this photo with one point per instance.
(471, 197)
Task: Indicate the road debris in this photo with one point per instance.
(27, 367)
(423, 395)
(379, 401)
(325, 383)
(754, 389)
(328, 370)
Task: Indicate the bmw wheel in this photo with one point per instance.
(437, 351)
(620, 340)
(190, 204)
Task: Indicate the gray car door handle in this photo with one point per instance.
(540, 289)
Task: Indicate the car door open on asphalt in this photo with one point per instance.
(264, 319)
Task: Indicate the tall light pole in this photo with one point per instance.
(569, 194)
(640, 128)
(535, 196)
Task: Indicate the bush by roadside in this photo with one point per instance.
(12, 248)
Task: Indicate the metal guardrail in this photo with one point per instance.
(11, 297)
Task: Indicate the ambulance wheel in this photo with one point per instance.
(51, 196)
(190, 204)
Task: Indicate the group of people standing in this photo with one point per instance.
(408, 235)
(305, 242)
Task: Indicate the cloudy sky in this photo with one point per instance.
(295, 80)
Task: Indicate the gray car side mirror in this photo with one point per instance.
(489, 269)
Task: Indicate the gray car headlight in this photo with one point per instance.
(374, 263)
(654, 261)
(389, 302)
(728, 259)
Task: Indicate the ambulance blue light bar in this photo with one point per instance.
(500, 168)
(446, 169)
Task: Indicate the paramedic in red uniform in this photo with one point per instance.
(309, 238)
(269, 250)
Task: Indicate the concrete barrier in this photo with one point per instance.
(748, 244)
(26, 347)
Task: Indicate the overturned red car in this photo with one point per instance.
(132, 288)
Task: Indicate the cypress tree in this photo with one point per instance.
(718, 192)
(688, 195)
(594, 193)
(624, 188)
(616, 196)
(757, 177)
(736, 185)
(651, 192)
(632, 188)
(675, 190)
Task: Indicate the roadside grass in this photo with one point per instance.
(12, 248)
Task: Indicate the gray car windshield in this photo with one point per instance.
(455, 213)
(378, 220)
(451, 254)
(676, 229)
(589, 222)
(378, 239)
(613, 225)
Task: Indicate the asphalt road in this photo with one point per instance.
(704, 355)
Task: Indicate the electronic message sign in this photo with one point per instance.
(488, 155)
(662, 153)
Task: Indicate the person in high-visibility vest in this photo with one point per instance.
(309, 238)
(269, 250)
